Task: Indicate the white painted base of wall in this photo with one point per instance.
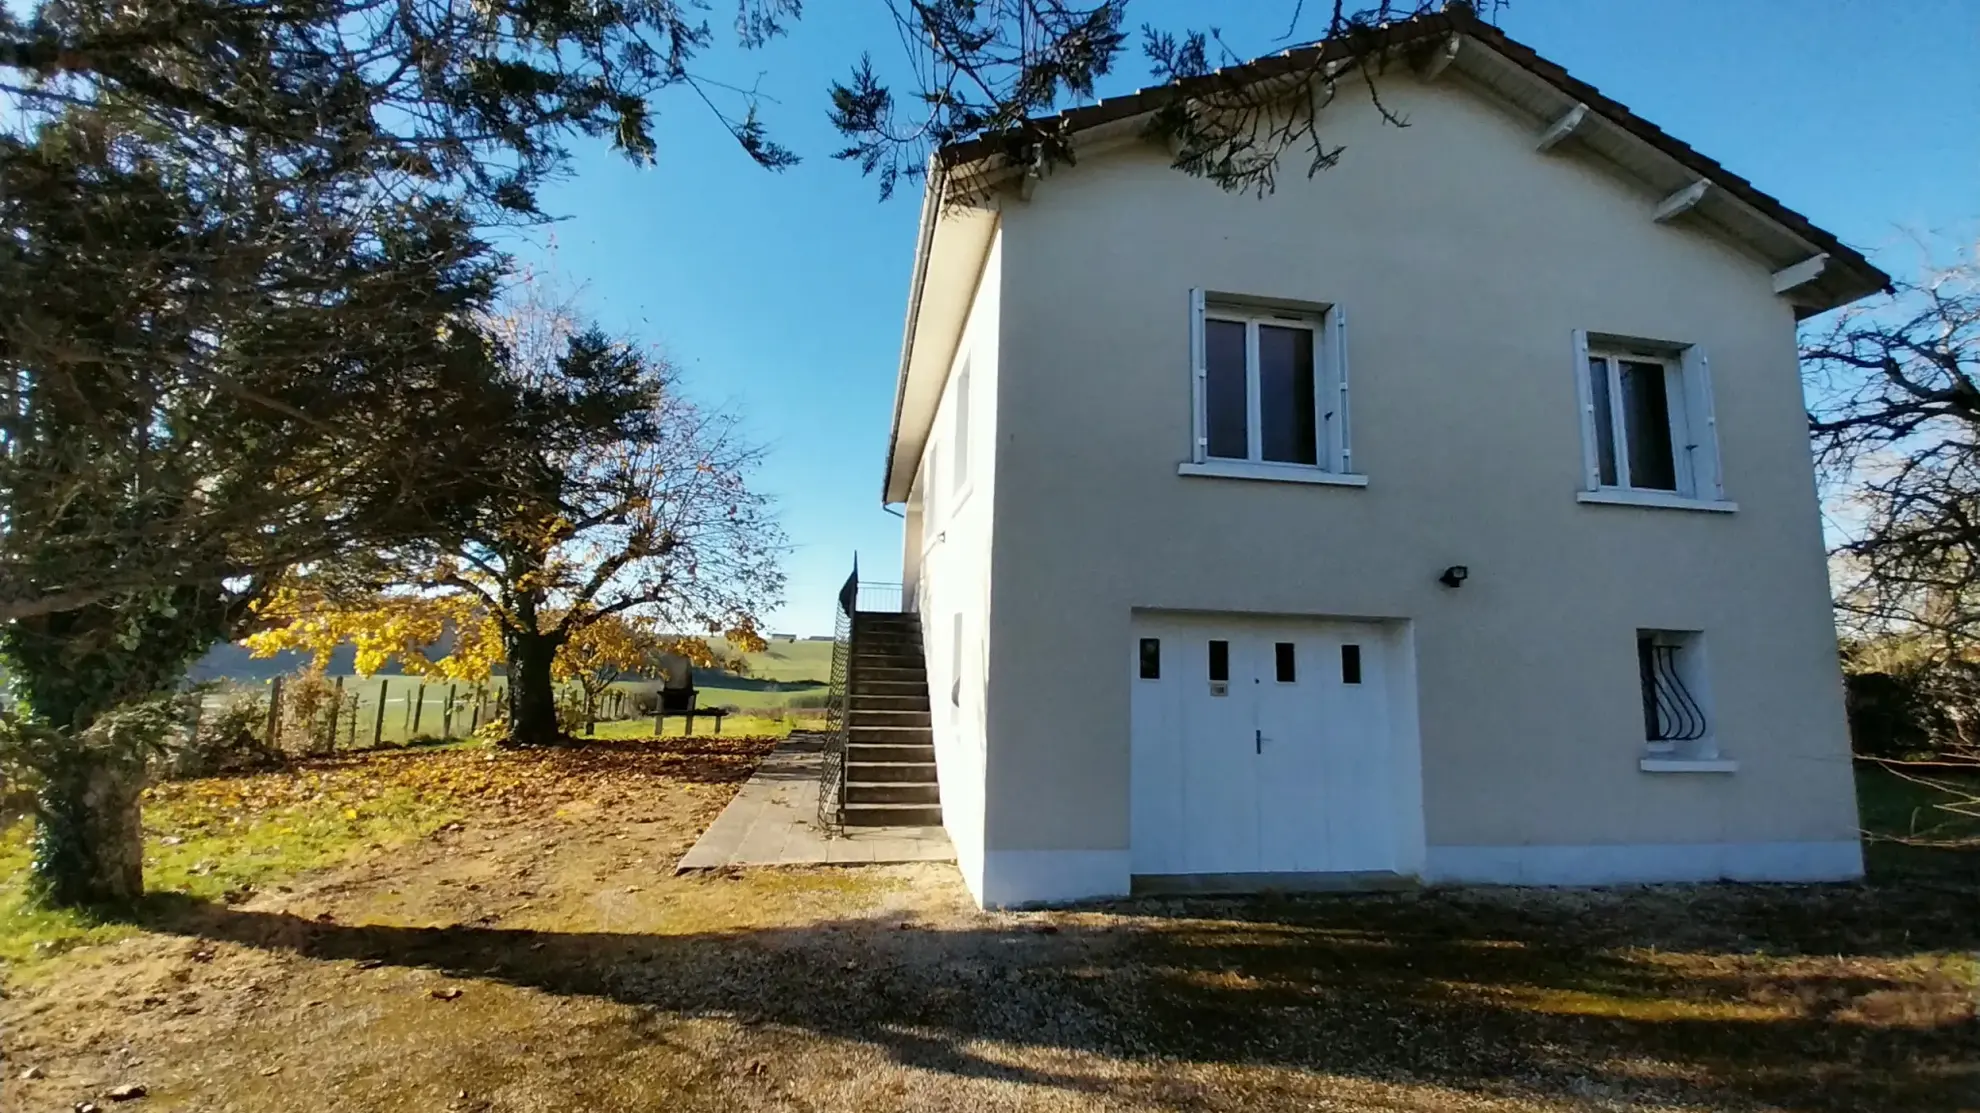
(1021, 878)
(1645, 862)
(1016, 878)
(969, 862)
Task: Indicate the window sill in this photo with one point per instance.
(1687, 765)
(1273, 473)
(1655, 499)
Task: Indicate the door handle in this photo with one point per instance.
(1258, 740)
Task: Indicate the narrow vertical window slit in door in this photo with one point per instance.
(1283, 651)
(1350, 664)
(1220, 661)
(1151, 658)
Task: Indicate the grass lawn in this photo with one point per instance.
(470, 929)
(1921, 820)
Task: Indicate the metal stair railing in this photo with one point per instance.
(832, 772)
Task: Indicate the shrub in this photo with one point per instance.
(1906, 703)
(225, 741)
(315, 711)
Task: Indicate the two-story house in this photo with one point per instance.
(1447, 515)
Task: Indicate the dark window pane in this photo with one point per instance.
(1647, 425)
(1351, 664)
(1151, 658)
(1220, 660)
(1605, 428)
(1646, 675)
(1285, 395)
(1224, 406)
(1284, 652)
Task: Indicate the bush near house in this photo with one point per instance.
(1906, 701)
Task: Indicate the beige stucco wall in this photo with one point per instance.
(1465, 259)
(948, 535)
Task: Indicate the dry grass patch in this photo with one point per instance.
(539, 954)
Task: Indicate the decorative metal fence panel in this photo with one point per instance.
(1673, 713)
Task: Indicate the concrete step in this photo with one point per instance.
(885, 671)
(893, 815)
(868, 620)
(889, 735)
(881, 753)
(889, 682)
(892, 792)
(909, 772)
(889, 668)
(859, 716)
(888, 701)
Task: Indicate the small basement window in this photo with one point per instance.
(1676, 700)
(1151, 658)
(1284, 661)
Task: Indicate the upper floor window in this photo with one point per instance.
(959, 460)
(1647, 423)
(1270, 389)
(931, 484)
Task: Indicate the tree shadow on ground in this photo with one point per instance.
(1535, 998)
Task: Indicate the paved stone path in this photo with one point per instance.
(773, 821)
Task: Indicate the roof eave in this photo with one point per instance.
(931, 207)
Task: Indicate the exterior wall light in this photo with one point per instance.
(1454, 576)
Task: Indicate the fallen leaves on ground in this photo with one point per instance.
(482, 779)
(226, 838)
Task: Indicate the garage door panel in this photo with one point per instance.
(1155, 826)
(1277, 762)
(1288, 759)
(1220, 786)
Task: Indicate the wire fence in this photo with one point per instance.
(312, 713)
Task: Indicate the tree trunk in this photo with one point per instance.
(532, 692)
(72, 667)
(89, 843)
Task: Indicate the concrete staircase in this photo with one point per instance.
(890, 754)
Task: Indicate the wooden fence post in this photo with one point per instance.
(378, 728)
(447, 716)
(274, 712)
(418, 708)
(336, 706)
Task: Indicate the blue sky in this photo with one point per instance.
(783, 295)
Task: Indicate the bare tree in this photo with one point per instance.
(1893, 390)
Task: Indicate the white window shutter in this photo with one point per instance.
(1591, 468)
(1199, 444)
(1337, 327)
(1702, 418)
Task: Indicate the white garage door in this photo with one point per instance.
(1260, 747)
